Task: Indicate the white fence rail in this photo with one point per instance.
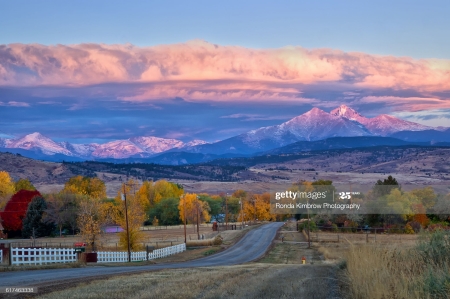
(112, 257)
(40, 256)
(163, 252)
(118, 257)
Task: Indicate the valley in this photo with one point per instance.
(412, 165)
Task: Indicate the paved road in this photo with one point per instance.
(252, 246)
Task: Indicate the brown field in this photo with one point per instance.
(160, 236)
(243, 281)
(378, 269)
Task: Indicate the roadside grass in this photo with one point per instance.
(227, 238)
(242, 281)
(217, 240)
(209, 252)
(384, 272)
(286, 253)
(41, 267)
(188, 255)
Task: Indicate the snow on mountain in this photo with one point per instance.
(383, 125)
(118, 149)
(348, 113)
(143, 146)
(80, 150)
(37, 141)
(315, 124)
(195, 142)
(154, 145)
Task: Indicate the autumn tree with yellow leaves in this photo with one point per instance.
(7, 188)
(136, 215)
(24, 184)
(90, 220)
(151, 193)
(91, 187)
(194, 209)
(257, 207)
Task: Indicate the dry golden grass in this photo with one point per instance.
(331, 253)
(383, 272)
(243, 281)
(363, 238)
(288, 253)
(377, 272)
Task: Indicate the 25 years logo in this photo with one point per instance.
(345, 195)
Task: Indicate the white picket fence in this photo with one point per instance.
(163, 252)
(118, 257)
(39, 256)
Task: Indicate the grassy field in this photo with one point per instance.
(420, 271)
(243, 281)
(413, 268)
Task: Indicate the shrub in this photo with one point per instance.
(334, 228)
(409, 229)
(304, 226)
(209, 252)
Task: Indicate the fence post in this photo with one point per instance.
(367, 237)
(338, 238)
(375, 235)
(10, 255)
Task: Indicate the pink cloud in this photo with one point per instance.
(408, 103)
(198, 70)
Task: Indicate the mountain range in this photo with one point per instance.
(311, 126)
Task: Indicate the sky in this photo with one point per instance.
(95, 71)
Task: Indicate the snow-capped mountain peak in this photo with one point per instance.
(349, 113)
(312, 125)
(385, 125)
(117, 149)
(37, 141)
(154, 145)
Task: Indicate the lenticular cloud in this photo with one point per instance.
(199, 69)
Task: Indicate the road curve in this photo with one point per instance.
(252, 246)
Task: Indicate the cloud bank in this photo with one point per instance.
(198, 70)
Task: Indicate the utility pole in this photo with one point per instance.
(198, 231)
(226, 212)
(309, 227)
(184, 208)
(242, 214)
(126, 219)
(254, 210)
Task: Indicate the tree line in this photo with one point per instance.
(82, 207)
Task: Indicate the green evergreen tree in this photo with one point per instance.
(385, 187)
(35, 219)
